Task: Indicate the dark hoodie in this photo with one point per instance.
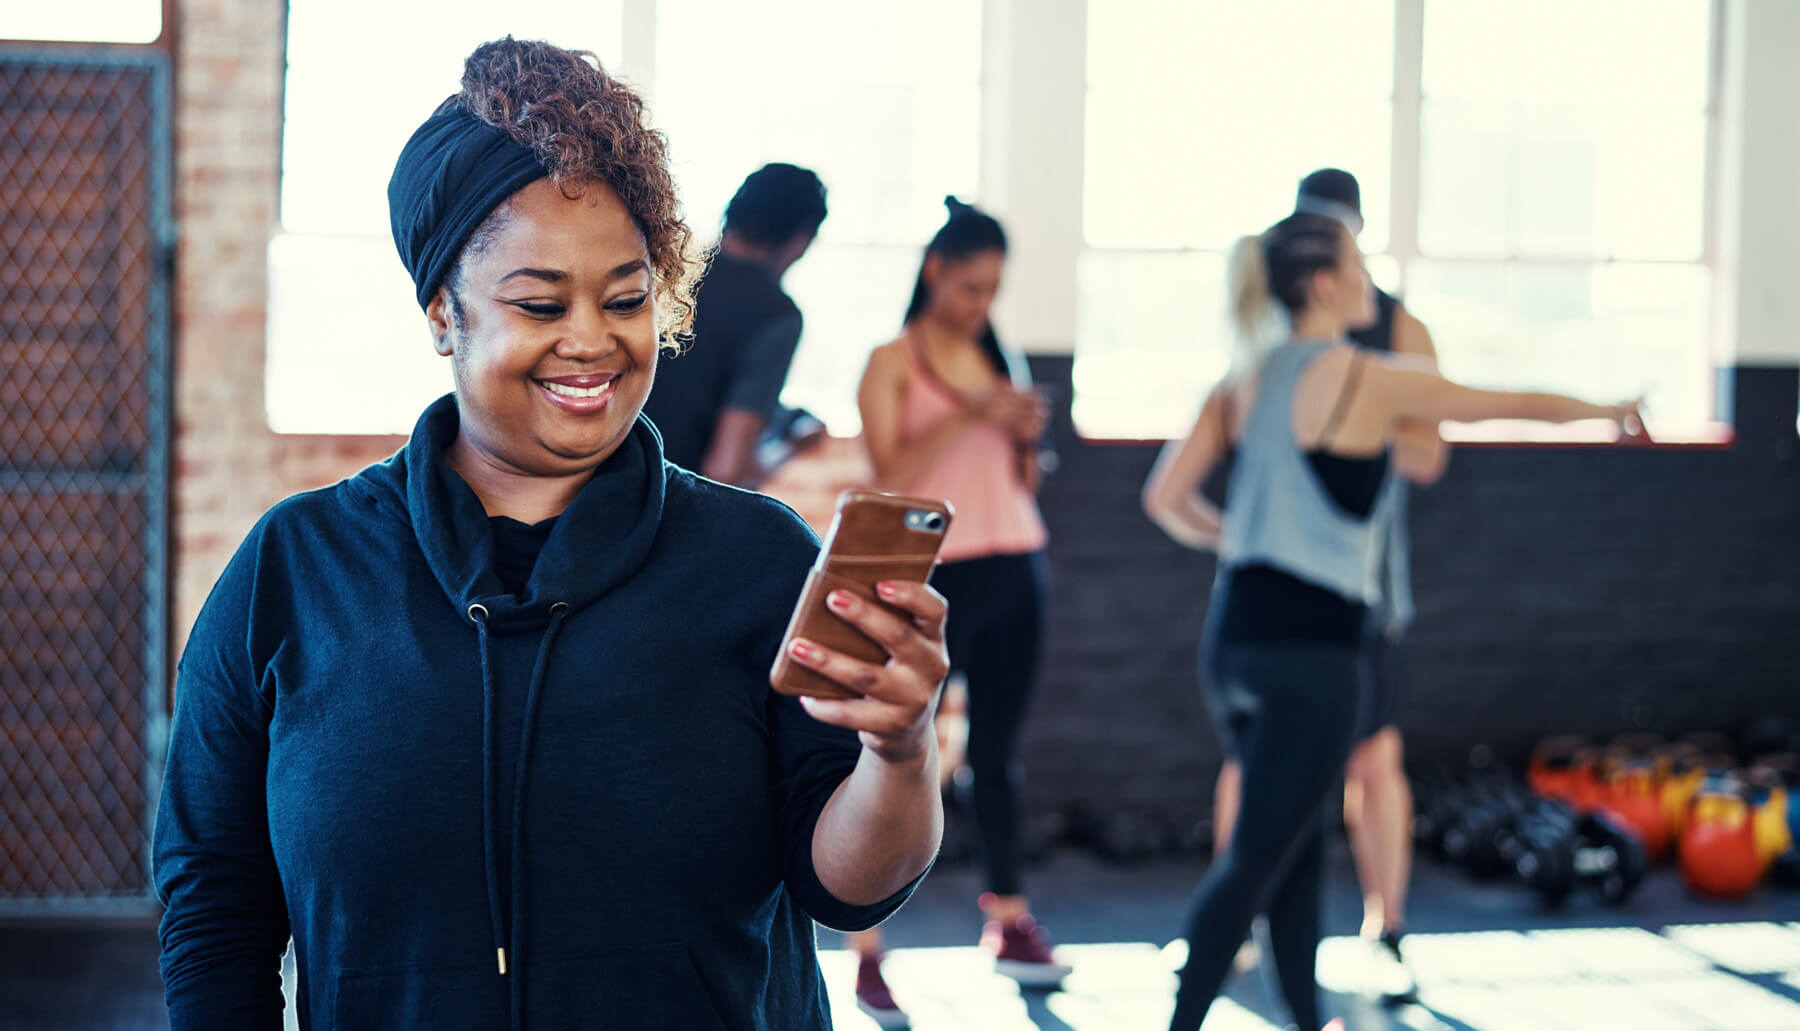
(379, 750)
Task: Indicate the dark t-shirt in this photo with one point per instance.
(516, 549)
(745, 332)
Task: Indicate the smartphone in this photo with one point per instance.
(874, 536)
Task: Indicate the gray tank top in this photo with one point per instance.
(1277, 512)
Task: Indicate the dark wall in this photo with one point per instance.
(1560, 589)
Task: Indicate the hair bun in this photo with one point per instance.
(956, 207)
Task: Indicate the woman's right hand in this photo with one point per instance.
(1630, 419)
(1021, 413)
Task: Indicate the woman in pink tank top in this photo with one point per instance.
(947, 413)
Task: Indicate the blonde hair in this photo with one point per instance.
(1267, 277)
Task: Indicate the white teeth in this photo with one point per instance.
(565, 391)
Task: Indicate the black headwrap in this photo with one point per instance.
(451, 174)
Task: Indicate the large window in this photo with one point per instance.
(1554, 237)
(840, 88)
(348, 350)
(91, 21)
(881, 100)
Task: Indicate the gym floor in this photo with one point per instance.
(1485, 958)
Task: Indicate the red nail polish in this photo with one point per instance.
(801, 650)
(887, 590)
(838, 600)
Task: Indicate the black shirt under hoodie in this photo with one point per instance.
(594, 775)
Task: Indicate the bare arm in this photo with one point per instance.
(1420, 453)
(1171, 495)
(1412, 393)
(898, 462)
(732, 456)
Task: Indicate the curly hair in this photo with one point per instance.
(584, 125)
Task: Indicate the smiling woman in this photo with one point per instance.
(486, 728)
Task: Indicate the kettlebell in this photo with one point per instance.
(1718, 846)
(1680, 777)
(1632, 801)
(1769, 819)
(1551, 773)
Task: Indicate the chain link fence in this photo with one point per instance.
(83, 481)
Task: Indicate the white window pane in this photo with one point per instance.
(366, 367)
(840, 89)
(1463, 180)
(1655, 180)
(1153, 340)
(1554, 171)
(740, 85)
(1201, 119)
(1658, 317)
(91, 21)
(853, 299)
(1643, 54)
(339, 146)
(1605, 332)
(1480, 50)
(1659, 56)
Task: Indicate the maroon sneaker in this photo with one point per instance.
(1021, 951)
(873, 997)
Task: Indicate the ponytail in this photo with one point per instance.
(1266, 282)
(1256, 320)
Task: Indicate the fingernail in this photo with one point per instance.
(838, 600)
(801, 650)
(888, 590)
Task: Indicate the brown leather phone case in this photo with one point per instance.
(875, 536)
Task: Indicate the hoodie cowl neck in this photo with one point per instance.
(599, 541)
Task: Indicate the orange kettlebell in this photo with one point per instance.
(1633, 801)
(1718, 847)
(1681, 777)
(1769, 819)
(1551, 771)
(1587, 789)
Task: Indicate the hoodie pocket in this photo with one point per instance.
(448, 997)
(650, 987)
(653, 986)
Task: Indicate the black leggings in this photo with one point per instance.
(996, 623)
(1288, 710)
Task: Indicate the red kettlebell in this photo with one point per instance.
(1551, 772)
(1632, 800)
(1587, 786)
(1718, 847)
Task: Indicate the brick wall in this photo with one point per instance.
(229, 468)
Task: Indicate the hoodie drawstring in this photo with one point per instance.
(490, 797)
(490, 790)
(521, 767)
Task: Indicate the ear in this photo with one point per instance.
(437, 316)
(933, 270)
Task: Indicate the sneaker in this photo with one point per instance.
(873, 997)
(1391, 982)
(1021, 951)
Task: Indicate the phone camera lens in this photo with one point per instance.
(934, 522)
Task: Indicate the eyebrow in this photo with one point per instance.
(551, 275)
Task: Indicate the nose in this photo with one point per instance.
(587, 338)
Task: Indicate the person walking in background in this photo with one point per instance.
(947, 412)
(1377, 798)
(1314, 420)
(715, 400)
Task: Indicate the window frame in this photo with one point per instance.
(1406, 146)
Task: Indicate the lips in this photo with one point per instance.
(580, 395)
